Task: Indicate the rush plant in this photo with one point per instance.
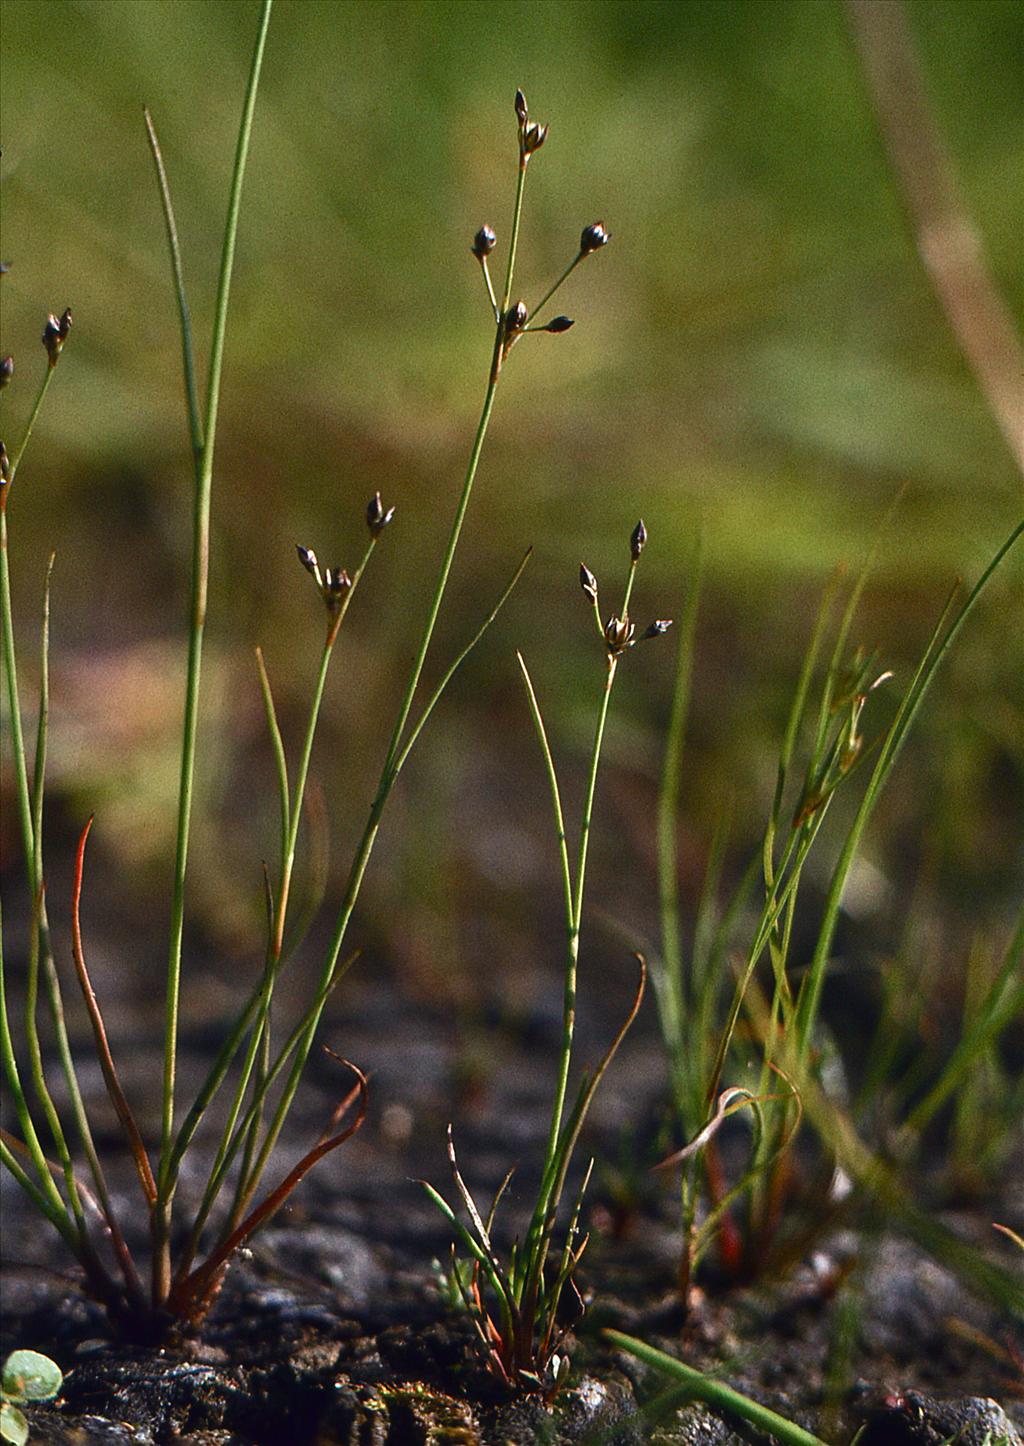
(515, 1303)
(53, 1157)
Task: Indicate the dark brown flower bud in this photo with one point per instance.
(337, 584)
(55, 334)
(638, 540)
(520, 105)
(308, 559)
(6, 370)
(377, 517)
(593, 237)
(559, 324)
(588, 582)
(516, 317)
(5, 464)
(618, 635)
(484, 242)
(534, 136)
(657, 629)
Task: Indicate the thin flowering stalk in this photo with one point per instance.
(200, 573)
(10, 661)
(259, 1037)
(30, 798)
(522, 1345)
(395, 755)
(576, 918)
(547, 1199)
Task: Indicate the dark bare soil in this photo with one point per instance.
(333, 1329)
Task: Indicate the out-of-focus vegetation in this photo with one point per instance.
(758, 356)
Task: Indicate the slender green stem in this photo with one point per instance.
(27, 819)
(490, 288)
(552, 289)
(14, 702)
(280, 760)
(259, 1039)
(39, 941)
(295, 811)
(547, 1195)
(36, 408)
(365, 847)
(695, 1386)
(670, 995)
(9, 658)
(42, 729)
(394, 755)
(435, 697)
(200, 571)
(40, 1200)
(556, 798)
(28, 1129)
(195, 423)
(517, 211)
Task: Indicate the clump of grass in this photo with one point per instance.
(760, 992)
(515, 1303)
(258, 1074)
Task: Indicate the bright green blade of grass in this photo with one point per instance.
(695, 1386)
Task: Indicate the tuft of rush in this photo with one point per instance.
(254, 1078)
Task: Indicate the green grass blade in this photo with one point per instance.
(556, 797)
(696, 1386)
(56, 1204)
(1003, 1003)
(280, 760)
(668, 978)
(438, 692)
(188, 360)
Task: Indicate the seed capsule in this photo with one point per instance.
(377, 518)
(484, 242)
(6, 370)
(558, 324)
(593, 237)
(337, 585)
(5, 464)
(534, 136)
(516, 317)
(55, 334)
(520, 105)
(618, 634)
(588, 582)
(308, 559)
(638, 540)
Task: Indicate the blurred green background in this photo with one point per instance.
(758, 359)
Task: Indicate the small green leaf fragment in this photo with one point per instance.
(13, 1426)
(30, 1376)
